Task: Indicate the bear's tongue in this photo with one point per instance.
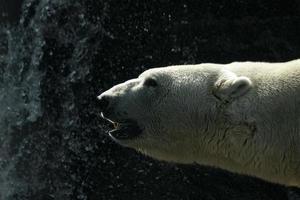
(125, 131)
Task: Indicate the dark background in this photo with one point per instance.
(57, 56)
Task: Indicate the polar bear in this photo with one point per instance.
(243, 117)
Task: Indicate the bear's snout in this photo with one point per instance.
(104, 102)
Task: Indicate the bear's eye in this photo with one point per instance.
(150, 82)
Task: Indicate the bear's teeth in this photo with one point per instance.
(116, 125)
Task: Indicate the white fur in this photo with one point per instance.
(243, 117)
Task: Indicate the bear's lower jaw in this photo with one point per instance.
(125, 131)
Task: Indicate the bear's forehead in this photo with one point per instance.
(170, 71)
(180, 72)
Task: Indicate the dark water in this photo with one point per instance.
(57, 56)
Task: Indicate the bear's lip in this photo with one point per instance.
(125, 129)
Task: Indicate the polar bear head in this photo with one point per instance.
(172, 113)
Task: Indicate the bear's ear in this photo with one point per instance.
(230, 87)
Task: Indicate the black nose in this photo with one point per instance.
(103, 102)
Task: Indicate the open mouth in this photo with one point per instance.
(125, 130)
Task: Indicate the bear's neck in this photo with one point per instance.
(247, 144)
